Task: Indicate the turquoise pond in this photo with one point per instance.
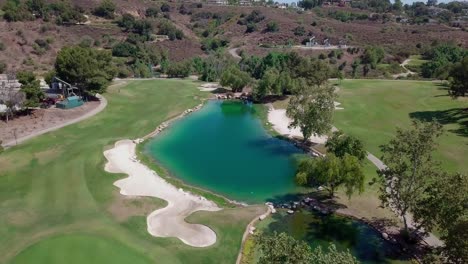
(224, 148)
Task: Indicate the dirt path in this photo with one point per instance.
(404, 74)
(247, 232)
(101, 106)
(234, 54)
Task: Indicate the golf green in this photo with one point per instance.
(224, 148)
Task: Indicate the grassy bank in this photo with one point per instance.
(374, 108)
(56, 195)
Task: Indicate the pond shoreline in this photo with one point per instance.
(179, 183)
(219, 199)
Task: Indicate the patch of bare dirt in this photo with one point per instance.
(41, 119)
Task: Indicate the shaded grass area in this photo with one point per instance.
(54, 189)
(374, 108)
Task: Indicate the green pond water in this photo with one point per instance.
(224, 148)
(318, 230)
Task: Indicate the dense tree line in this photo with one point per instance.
(440, 60)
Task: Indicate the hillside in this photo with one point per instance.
(33, 44)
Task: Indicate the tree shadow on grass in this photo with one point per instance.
(450, 116)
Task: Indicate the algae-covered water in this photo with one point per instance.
(361, 240)
(224, 148)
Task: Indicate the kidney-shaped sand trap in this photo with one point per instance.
(170, 220)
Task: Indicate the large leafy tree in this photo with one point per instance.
(445, 205)
(410, 168)
(235, 78)
(284, 249)
(311, 108)
(31, 88)
(90, 69)
(332, 172)
(373, 55)
(341, 144)
(459, 78)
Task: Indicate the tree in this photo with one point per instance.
(459, 79)
(311, 108)
(332, 172)
(31, 88)
(309, 4)
(284, 249)
(355, 66)
(398, 5)
(373, 55)
(235, 78)
(90, 69)
(410, 166)
(341, 144)
(105, 9)
(12, 99)
(445, 206)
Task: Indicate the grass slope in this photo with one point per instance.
(374, 108)
(53, 190)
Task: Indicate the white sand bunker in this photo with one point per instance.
(209, 87)
(281, 122)
(168, 221)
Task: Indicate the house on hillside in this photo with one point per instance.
(217, 2)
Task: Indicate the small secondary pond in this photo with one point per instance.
(224, 148)
(363, 242)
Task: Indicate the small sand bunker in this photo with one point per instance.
(168, 221)
(209, 87)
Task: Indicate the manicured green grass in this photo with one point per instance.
(70, 248)
(415, 63)
(374, 108)
(54, 190)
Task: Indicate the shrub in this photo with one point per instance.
(124, 49)
(2, 46)
(151, 12)
(3, 67)
(105, 9)
(16, 11)
(179, 69)
(165, 7)
(251, 27)
(166, 28)
(272, 26)
(299, 31)
(184, 10)
(86, 42)
(254, 17)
